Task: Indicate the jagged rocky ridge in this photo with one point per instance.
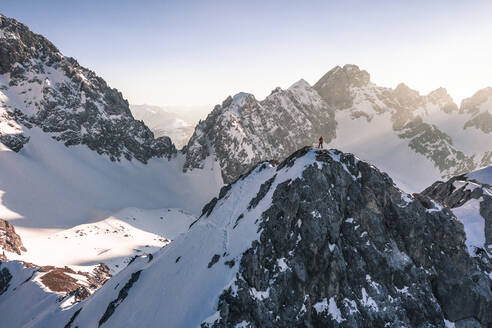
(41, 87)
(471, 200)
(322, 239)
(383, 125)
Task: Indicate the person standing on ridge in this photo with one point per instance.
(320, 142)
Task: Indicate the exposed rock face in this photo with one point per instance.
(60, 280)
(441, 97)
(40, 87)
(14, 141)
(68, 283)
(460, 191)
(5, 278)
(342, 246)
(244, 131)
(334, 86)
(10, 241)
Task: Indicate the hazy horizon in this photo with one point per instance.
(192, 53)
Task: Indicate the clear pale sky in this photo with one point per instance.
(191, 53)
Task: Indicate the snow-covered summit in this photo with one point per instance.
(301, 84)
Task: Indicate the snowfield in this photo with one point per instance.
(72, 206)
(112, 241)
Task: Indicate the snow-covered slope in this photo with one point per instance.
(323, 239)
(416, 138)
(62, 200)
(112, 241)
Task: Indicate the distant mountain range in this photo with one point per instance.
(178, 123)
(415, 138)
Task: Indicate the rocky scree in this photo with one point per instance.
(343, 247)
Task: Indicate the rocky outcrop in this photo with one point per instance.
(10, 241)
(441, 97)
(342, 246)
(123, 293)
(460, 190)
(14, 141)
(5, 278)
(65, 281)
(61, 280)
(429, 141)
(41, 87)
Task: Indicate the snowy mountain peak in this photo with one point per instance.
(407, 96)
(20, 44)
(276, 90)
(239, 102)
(41, 88)
(335, 86)
(301, 84)
(474, 103)
(440, 96)
(241, 98)
(350, 73)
